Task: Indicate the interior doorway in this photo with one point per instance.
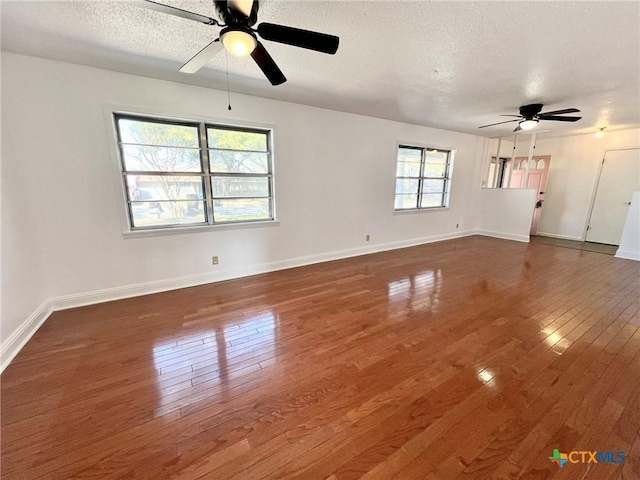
(619, 178)
(510, 168)
(532, 173)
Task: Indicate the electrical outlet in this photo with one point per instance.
(367, 238)
(214, 260)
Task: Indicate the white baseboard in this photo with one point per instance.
(21, 336)
(628, 255)
(117, 293)
(563, 237)
(504, 235)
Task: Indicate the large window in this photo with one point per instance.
(422, 178)
(179, 174)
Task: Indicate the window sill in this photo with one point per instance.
(410, 211)
(158, 232)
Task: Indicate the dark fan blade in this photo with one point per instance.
(267, 65)
(559, 119)
(178, 12)
(559, 112)
(203, 57)
(499, 123)
(519, 116)
(320, 42)
(517, 129)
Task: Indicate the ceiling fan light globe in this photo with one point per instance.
(528, 124)
(238, 43)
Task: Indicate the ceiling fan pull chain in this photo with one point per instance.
(226, 60)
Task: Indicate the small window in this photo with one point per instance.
(180, 174)
(422, 178)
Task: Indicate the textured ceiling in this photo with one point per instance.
(453, 65)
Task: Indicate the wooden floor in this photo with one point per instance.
(467, 359)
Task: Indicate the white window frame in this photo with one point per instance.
(111, 114)
(447, 178)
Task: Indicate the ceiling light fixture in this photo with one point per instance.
(238, 42)
(528, 124)
(600, 132)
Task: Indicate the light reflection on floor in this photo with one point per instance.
(485, 375)
(214, 356)
(552, 338)
(420, 292)
(556, 342)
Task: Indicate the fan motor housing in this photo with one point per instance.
(530, 111)
(231, 17)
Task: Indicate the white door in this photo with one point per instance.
(620, 176)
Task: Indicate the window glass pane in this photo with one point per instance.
(164, 213)
(238, 162)
(238, 209)
(151, 133)
(240, 187)
(409, 154)
(406, 185)
(431, 200)
(237, 140)
(164, 187)
(408, 169)
(435, 170)
(432, 186)
(436, 156)
(406, 201)
(160, 159)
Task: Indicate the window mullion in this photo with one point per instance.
(204, 159)
(162, 173)
(270, 178)
(240, 175)
(421, 179)
(445, 184)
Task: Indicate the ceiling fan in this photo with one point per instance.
(530, 116)
(239, 38)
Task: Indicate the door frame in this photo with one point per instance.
(597, 184)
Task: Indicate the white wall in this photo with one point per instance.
(630, 242)
(575, 162)
(62, 236)
(506, 147)
(506, 212)
(23, 287)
